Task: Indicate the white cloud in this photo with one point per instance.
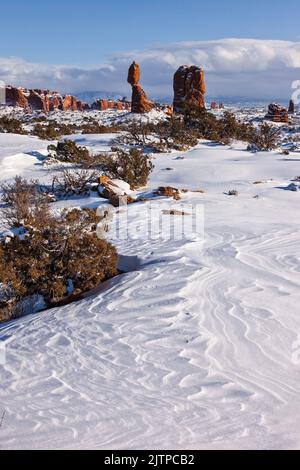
(234, 67)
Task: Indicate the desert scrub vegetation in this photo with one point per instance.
(206, 126)
(183, 131)
(68, 151)
(136, 133)
(93, 127)
(166, 135)
(52, 258)
(70, 182)
(52, 130)
(23, 200)
(133, 166)
(172, 134)
(11, 126)
(265, 137)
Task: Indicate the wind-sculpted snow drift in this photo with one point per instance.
(196, 349)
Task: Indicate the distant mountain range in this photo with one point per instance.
(91, 96)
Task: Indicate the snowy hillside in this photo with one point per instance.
(198, 347)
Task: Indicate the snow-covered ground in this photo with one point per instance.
(199, 347)
(105, 118)
(20, 155)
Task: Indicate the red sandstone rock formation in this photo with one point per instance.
(69, 103)
(100, 105)
(189, 87)
(140, 103)
(55, 103)
(45, 100)
(82, 106)
(119, 106)
(38, 101)
(134, 74)
(167, 109)
(16, 97)
(277, 113)
(104, 105)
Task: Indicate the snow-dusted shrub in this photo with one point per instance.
(52, 130)
(265, 137)
(93, 127)
(133, 167)
(173, 134)
(136, 133)
(11, 126)
(61, 252)
(200, 121)
(68, 151)
(206, 125)
(73, 182)
(24, 200)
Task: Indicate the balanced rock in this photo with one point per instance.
(134, 74)
(189, 87)
(140, 103)
(277, 113)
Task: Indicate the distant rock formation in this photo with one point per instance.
(82, 106)
(277, 113)
(189, 87)
(140, 103)
(168, 110)
(42, 100)
(291, 107)
(39, 100)
(47, 101)
(16, 97)
(69, 103)
(55, 102)
(104, 105)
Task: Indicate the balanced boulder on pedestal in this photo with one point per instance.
(140, 103)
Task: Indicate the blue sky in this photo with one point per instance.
(86, 32)
(248, 49)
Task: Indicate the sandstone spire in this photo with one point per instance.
(189, 87)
